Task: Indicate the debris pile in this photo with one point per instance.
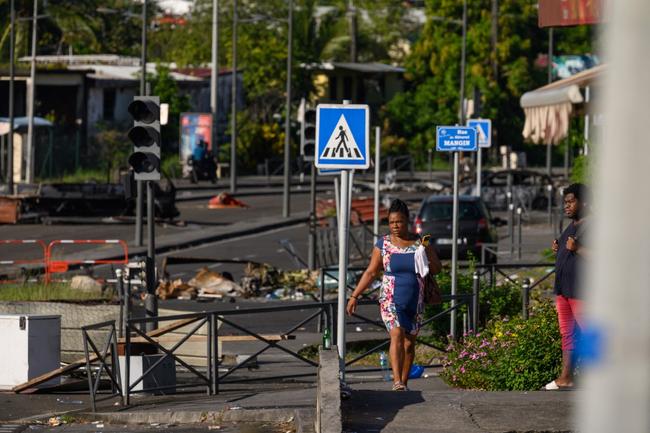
(259, 280)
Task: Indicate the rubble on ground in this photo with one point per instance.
(259, 280)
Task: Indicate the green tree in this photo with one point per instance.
(164, 86)
(434, 69)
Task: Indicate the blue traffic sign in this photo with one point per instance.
(456, 139)
(483, 129)
(342, 136)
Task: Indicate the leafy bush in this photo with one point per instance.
(494, 302)
(510, 354)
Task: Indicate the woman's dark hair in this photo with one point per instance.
(579, 190)
(398, 205)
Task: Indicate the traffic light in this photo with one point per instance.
(308, 135)
(145, 136)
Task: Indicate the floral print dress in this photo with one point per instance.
(401, 299)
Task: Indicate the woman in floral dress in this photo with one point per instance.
(401, 299)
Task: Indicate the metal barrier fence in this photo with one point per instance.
(108, 362)
(324, 311)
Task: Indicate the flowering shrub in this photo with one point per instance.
(510, 354)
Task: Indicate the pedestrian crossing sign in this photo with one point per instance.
(342, 136)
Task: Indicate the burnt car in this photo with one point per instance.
(529, 188)
(475, 227)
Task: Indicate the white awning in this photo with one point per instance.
(548, 113)
(549, 108)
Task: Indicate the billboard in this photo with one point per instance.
(557, 13)
(195, 128)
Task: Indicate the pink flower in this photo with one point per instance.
(462, 369)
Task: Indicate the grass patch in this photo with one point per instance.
(46, 292)
(98, 175)
(424, 355)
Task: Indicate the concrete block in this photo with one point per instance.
(328, 398)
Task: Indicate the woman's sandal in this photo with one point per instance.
(399, 386)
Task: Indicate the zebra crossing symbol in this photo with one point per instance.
(341, 144)
(342, 136)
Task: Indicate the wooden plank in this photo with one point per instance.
(176, 338)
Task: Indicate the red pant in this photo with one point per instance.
(569, 315)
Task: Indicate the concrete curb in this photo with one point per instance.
(302, 419)
(328, 399)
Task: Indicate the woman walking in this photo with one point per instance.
(401, 300)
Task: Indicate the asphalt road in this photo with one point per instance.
(117, 428)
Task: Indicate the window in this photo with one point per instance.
(109, 104)
(437, 211)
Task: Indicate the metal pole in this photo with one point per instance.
(495, 38)
(214, 74)
(454, 248)
(353, 32)
(462, 66)
(567, 155)
(311, 254)
(29, 170)
(525, 298)
(233, 113)
(10, 148)
(286, 195)
(511, 227)
(461, 121)
(151, 301)
(375, 223)
(430, 163)
(519, 233)
(475, 300)
(479, 169)
(587, 97)
(139, 203)
(550, 55)
(343, 267)
(337, 200)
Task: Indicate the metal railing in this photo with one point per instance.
(108, 361)
(211, 376)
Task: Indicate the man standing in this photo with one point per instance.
(570, 251)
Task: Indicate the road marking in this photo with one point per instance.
(178, 274)
(215, 265)
(250, 256)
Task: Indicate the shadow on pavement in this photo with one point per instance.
(371, 410)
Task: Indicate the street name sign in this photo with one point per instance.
(456, 139)
(342, 136)
(483, 129)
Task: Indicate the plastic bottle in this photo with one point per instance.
(327, 339)
(383, 362)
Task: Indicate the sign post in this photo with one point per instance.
(455, 139)
(484, 134)
(342, 142)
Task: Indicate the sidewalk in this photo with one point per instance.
(432, 407)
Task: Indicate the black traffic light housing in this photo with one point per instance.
(145, 136)
(308, 135)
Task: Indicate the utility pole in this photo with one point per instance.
(29, 170)
(286, 196)
(10, 150)
(214, 75)
(495, 38)
(233, 114)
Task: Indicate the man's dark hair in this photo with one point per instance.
(398, 205)
(579, 190)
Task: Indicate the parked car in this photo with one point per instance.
(529, 188)
(475, 228)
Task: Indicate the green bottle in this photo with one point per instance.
(327, 339)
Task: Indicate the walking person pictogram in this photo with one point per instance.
(342, 149)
